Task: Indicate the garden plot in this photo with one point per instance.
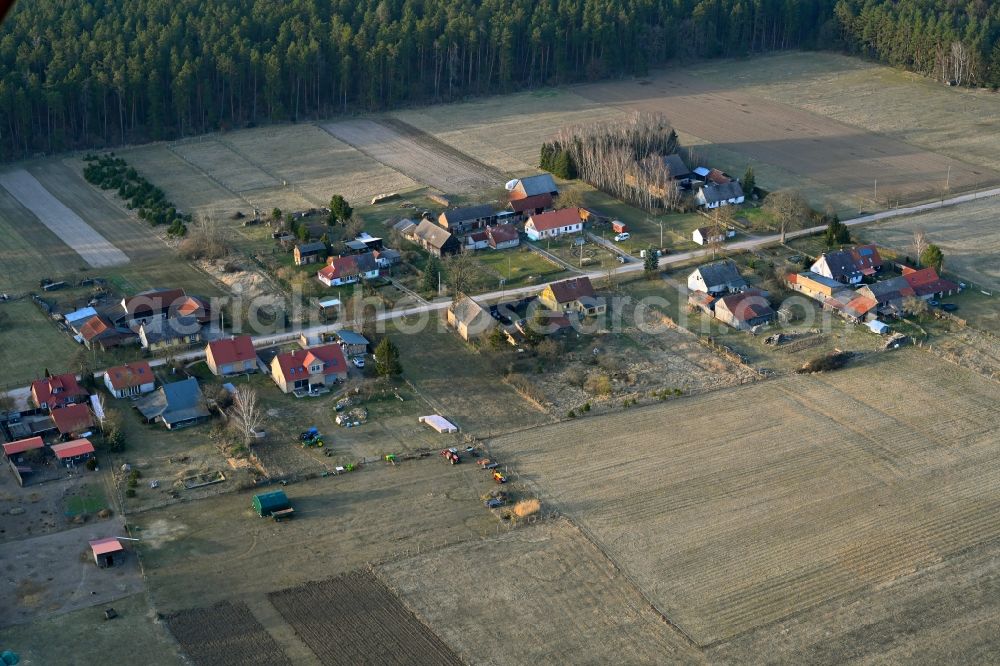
(226, 634)
(92, 247)
(369, 622)
(233, 171)
(739, 508)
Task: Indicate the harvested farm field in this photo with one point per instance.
(226, 634)
(73, 230)
(968, 235)
(734, 510)
(552, 598)
(355, 619)
(341, 522)
(417, 154)
(839, 157)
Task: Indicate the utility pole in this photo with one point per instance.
(876, 192)
(947, 184)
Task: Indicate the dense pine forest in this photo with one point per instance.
(83, 73)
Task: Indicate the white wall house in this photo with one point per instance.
(554, 223)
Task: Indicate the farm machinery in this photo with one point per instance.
(310, 438)
(451, 455)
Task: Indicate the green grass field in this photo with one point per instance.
(30, 343)
(86, 500)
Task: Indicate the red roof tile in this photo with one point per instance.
(105, 546)
(77, 447)
(72, 418)
(22, 445)
(556, 218)
(531, 203)
(130, 374)
(232, 350)
(926, 282)
(56, 391)
(294, 365)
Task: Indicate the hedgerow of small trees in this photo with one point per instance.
(113, 173)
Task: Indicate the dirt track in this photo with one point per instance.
(845, 158)
(416, 154)
(94, 248)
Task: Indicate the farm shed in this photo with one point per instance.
(74, 453)
(353, 344)
(11, 449)
(309, 253)
(876, 326)
(107, 552)
(72, 419)
(439, 423)
(266, 504)
(618, 227)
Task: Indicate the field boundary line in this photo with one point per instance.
(237, 194)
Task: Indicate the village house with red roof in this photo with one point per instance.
(306, 369)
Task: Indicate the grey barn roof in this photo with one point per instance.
(540, 184)
(179, 401)
(466, 310)
(456, 215)
(306, 248)
(432, 234)
(721, 272)
(714, 193)
(675, 165)
(158, 330)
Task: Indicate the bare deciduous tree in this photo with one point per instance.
(788, 210)
(919, 243)
(205, 239)
(246, 415)
(461, 270)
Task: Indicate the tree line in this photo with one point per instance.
(950, 40)
(106, 72)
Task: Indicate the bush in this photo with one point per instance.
(586, 407)
(92, 464)
(827, 363)
(598, 383)
(571, 414)
(130, 492)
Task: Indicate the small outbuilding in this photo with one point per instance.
(74, 453)
(878, 327)
(107, 552)
(274, 503)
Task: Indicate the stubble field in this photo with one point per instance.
(551, 598)
(968, 235)
(740, 508)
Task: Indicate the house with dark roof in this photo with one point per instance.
(131, 379)
(231, 356)
(386, 258)
(554, 223)
(849, 266)
(718, 277)
(713, 195)
(306, 369)
(708, 235)
(309, 253)
(176, 405)
(745, 310)
(72, 419)
(58, 391)
(676, 167)
(572, 295)
(533, 186)
(503, 236)
(405, 227)
(465, 219)
(438, 241)
(146, 306)
(348, 269)
(470, 319)
(158, 334)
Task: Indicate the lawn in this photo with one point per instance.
(518, 267)
(88, 499)
(30, 342)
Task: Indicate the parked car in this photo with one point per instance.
(949, 307)
(623, 236)
(358, 361)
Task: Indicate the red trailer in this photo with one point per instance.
(618, 226)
